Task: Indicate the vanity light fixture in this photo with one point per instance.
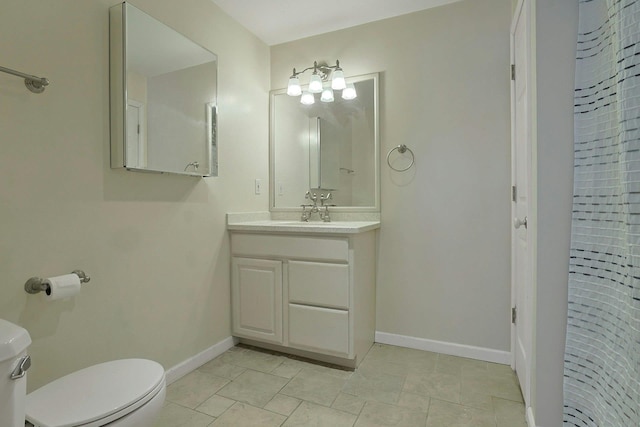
(320, 74)
(349, 92)
(327, 94)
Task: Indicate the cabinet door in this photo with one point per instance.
(256, 293)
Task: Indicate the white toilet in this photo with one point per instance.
(120, 393)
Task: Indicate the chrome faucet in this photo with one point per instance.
(313, 208)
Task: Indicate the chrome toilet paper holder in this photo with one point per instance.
(38, 284)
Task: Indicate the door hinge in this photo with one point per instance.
(514, 314)
(513, 71)
(138, 129)
(514, 193)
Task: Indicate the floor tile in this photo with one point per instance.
(215, 405)
(414, 401)
(311, 415)
(509, 413)
(252, 359)
(282, 404)
(498, 369)
(502, 386)
(194, 388)
(219, 368)
(254, 388)
(287, 369)
(348, 403)
(476, 399)
(375, 414)
(446, 414)
(173, 415)
(241, 414)
(434, 384)
(371, 385)
(413, 359)
(393, 386)
(386, 367)
(314, 386)
(455, 365)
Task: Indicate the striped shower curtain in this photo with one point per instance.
(602, 354)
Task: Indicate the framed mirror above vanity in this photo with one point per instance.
(326, 147)
(163, 97)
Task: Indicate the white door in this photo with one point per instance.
(135, 154)
(521, 265)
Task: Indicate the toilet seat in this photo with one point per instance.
(96, 395)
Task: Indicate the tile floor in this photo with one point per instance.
(393, 386)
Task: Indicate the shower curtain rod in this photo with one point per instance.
(34, 83)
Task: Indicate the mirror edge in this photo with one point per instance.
(117, 81)
(376, 113)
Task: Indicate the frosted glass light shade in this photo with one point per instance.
(327, 95)
(337, 80)
(349, 92)
(307, 98)
(294, 89)
(315, 84)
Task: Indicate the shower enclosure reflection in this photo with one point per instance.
(326, 146)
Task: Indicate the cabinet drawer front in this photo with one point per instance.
(322, 330)
(317, 283)
(313, 248)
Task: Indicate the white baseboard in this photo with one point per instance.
(531, 422)
(479, 353)
(183, 368)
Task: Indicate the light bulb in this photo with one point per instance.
(307, 98)
(337, 80)
(327, 95)
(315, 84)
(349, 92)
(294, 89)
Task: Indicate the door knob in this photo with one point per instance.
(517, 222)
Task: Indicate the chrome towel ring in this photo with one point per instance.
(401, 149)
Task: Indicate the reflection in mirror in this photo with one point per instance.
(326, 146)
(163, 97)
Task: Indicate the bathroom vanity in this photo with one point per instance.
(305, 288)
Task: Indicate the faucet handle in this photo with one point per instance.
(324, 198)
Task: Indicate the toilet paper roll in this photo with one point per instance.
(60, 287)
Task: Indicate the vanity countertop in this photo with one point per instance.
(311, 227)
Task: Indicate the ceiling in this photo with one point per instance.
(280, 21)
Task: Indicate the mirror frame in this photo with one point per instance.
(119, 98)
(376, 110)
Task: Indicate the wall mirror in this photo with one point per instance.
(163, 97)
(326, 146)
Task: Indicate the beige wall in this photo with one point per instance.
(555, 44)
(154, 245)
(444, 271)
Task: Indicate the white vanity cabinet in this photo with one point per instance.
(311, 295)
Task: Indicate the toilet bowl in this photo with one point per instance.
(119, 393)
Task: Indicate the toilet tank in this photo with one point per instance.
(14, 341)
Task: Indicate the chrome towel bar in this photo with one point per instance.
(34, 83)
